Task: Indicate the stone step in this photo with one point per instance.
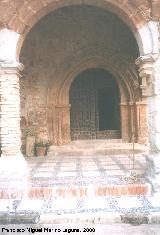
(77, 191)
(96, 148)
(96, 141)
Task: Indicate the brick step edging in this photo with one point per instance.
(79, 192)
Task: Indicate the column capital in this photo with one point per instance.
(9, 67)
(145, 63)
(146, 68)
(146, 58)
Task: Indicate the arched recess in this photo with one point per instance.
(130, 98)
(130, 81)
(137, 22)
(29, 13)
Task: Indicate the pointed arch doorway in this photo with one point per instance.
(95, 106)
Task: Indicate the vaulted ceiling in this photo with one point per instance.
(21, 15)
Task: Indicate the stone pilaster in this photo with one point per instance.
(125, 121)
(132, 126)
(62, 124)
(141, 122)
(12, 163)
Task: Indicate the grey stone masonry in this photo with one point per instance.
(10, 108)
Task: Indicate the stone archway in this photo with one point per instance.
(124, 9)
(17, 23)
(15, 29)
(132, 110)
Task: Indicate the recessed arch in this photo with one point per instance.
(87, 56)
(143, 28)
(126, 78)
(58, 96)
(123, 9)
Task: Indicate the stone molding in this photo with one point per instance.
(146, 69)
(30, 12)
(92, 58)
(10, 67)
(63, 106)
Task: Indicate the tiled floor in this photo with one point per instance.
(72, 205)
(66, 174)
(67, 169)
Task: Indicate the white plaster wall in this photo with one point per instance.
(8, 45)
(147, 38)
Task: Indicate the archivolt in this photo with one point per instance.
(131, 12)
(124, 73)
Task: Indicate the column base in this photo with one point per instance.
(155, 143)
(13, 167)
(153, 172)
(13, 177)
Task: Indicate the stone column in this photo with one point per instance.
(149, 70)
(141, 122)
(150, 95)
(124, 121)
(132, 126)
(62, 124)
(12, 163)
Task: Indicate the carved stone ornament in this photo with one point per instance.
(146, 67)
(9, 67)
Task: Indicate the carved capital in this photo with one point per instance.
(146, 65)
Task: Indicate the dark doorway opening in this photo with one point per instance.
(95, 112)
(108, 109)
